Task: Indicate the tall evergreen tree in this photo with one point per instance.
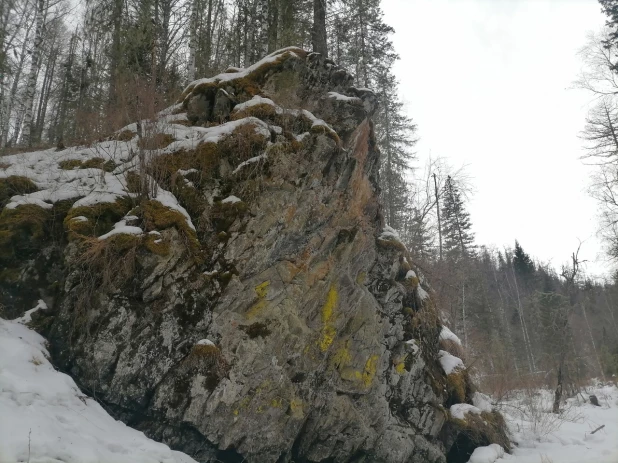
(395, 134)
(456, 223)
(522, 263)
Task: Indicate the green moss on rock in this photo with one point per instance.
(15, 185)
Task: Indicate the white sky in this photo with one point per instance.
(489, 83)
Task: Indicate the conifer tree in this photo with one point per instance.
(456, 224)
(522, 263)
(395, 134)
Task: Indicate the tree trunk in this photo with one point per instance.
(273, 25)
(594, 347)
(435, 184)
(34, 72)
(116, 49)
(558, 391)
(524, 329)
(192, 42)
(318, 31)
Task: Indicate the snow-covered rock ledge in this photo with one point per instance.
(45, 418)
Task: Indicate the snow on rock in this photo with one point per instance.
(249, 162)
(422, 294)
(171, 109)
(390, 232)
(412, 345)
(121, 228)
(45, 418)
(168, 200)
(459, 410)
(239, 73)
(231, 199)
(482, 402)
(25, 318)
(188, 138)
(340, 97)
(489, 454)
(448, 334)
(450, 363)
(204, 342)
(257, 100)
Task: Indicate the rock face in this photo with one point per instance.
(237, 295)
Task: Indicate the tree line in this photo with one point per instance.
(520, 320)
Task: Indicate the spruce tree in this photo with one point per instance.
(395, 136)
(522, 263)
(456, 223)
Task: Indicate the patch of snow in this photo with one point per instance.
(154, 232)
(340, 97)
(189, 138)
(450, 363)
(204, 342)
(46, 418)
(25, 318)
(413, 345)
(231, 199)
(489, 454)
(187, 171)
(240, 73)
(121, 228)
(459, 410)
(257, 100)
(390, 234)
(482, 402)
(170, 109)
(448, 334)
(80, 218)
(568, 438)
(249, 161)
(410, 274)
(168, 200)
(422, 294)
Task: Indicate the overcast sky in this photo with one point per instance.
(489, 83)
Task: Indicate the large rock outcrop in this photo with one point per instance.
(222, 278)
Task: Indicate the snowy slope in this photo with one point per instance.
(44, 418)
(559, 441)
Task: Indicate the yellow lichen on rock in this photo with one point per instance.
(371, 367)
(328, 315)
(297, 409)
(262, 291)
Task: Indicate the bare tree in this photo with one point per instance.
(41, 10)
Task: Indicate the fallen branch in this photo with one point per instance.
(598, 429)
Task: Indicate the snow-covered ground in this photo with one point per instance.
(44, 418)
(542, 437)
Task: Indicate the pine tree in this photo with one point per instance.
(522, 263)
(456, 224)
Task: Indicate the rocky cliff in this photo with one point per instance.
(222, 279)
